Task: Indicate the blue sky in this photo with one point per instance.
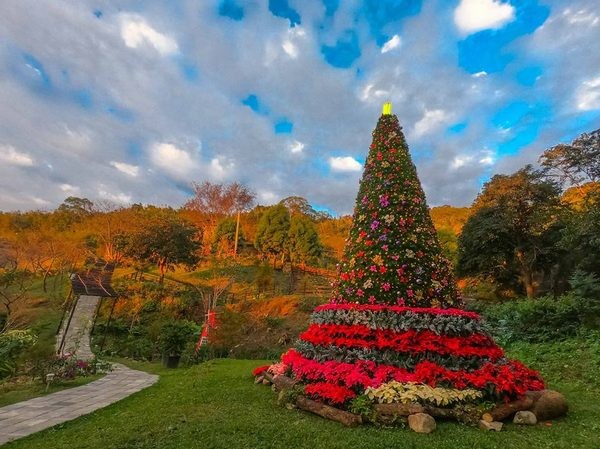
(131, 101)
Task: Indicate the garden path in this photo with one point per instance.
(27, 417)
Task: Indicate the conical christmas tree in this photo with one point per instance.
(393, 255)
(393, 330)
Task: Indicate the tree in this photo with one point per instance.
(14, 289)
(302, 240)
(513, 229)
(215, 201)
(225, 236)
(393, 255)
(580, 238)
(576, 162)
(220, 199)
(165, 240)
(77, 206)
(272, 231)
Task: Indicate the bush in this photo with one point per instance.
(535, 320)
(12, 344)
(69, 367)
(175, 335)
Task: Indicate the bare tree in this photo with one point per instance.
(14, 288)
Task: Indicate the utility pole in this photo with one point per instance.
(237, 233)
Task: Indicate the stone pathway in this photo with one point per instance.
(77, 339)
(25, 418)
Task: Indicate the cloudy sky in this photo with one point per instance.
(129, 101)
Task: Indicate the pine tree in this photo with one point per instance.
(393, 255)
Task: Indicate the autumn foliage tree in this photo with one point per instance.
(164, 239)
(212, 202)
(513, 229)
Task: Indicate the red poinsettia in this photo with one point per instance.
(333, 394)
(361, 336)
(508, 380)
(397, 309)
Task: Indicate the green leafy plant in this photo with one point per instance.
(363, 405)
(12, 344)
(174, 337)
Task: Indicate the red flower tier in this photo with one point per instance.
(395, 315)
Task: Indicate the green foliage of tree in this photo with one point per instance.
(514, 229)
(272, 232)
(303, 241)
(164, 239)
(580, 238)
(576, 162)
(449, 242)
(299, 205)
(224, 238)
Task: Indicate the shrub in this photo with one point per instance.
(12, 344)
(535, 320)
(69, 367)
(175, 335)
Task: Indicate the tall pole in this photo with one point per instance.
(237, 233)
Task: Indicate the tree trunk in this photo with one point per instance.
(527, 279)
(162, 268)
(503, 411)
(341, 416)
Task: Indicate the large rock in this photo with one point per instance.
(548, 404)
(421, 423)
(525, 417)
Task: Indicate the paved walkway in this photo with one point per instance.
(25, 418)
(77, 338)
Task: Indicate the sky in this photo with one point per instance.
(130, 101)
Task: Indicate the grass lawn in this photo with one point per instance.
(12, 393)
(216, 405)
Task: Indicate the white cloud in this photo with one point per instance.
(430, 120)
(219, 169)
(296, 147)
(128, 169)
(344, 164)
(290, 48)
(11, 156)
(136, 32)
(68, 188)
(40, 201)
(393, 43)
(487, 157)
(172, 159)
(267, 197)
(582, 17)
(118, 197)
(368, 94)
(479, 74)
(471, 16)
(588, 95)
(460, 161)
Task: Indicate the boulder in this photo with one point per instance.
(421, 423)
(549, 405)
(525, 417)
(493, 425)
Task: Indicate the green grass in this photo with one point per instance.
(216, 405)
(13, 393)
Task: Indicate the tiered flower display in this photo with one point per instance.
(394, 324)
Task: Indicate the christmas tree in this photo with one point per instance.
(394, 330)
(393, 255)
